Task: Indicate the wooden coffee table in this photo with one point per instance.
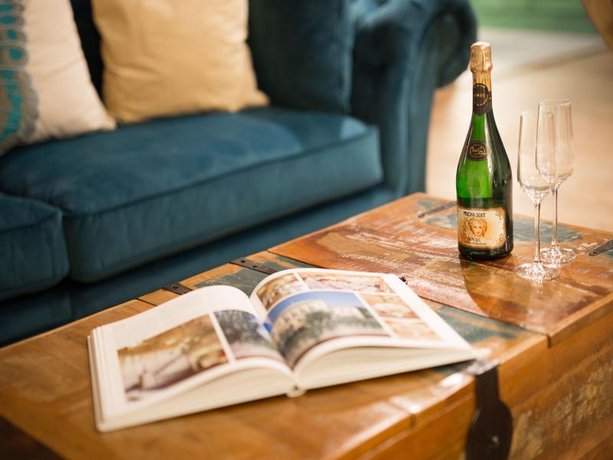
(553, 344)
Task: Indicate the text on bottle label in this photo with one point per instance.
(482, 228)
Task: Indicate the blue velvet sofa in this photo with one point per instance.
(91, 221)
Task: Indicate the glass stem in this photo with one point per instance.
(554, 228)
(537, 233)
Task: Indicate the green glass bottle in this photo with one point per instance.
(484, 185)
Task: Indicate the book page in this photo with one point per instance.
(311, 312)
(179, 345)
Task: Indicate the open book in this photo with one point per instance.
(300, 329)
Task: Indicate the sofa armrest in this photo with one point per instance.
(403, 50)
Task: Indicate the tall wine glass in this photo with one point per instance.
(531, 138)
(556, 165)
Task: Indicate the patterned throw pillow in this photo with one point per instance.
(18, 102)
(45, 88)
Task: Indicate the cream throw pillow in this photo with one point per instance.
(67, 100)
(50, 93)
(169, 57)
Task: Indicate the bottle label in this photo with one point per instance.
(482, 228)
(477, 150)
(482, 98)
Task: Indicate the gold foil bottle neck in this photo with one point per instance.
(481, 57)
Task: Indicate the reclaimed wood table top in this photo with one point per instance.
(553, 343)
(403, 238)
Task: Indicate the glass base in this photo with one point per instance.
(556, 255)
(537, 272)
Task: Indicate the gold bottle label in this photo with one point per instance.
(477, 150)
(481, 68)
(482, 228)
(481, 57)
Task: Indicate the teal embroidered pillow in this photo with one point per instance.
(45, 88)
(18, 103)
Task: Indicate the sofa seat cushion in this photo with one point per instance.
(32, 250)
(156, 188)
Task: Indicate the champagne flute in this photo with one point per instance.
(556, 165)
(533, 137)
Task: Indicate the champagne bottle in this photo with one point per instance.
(484, 184)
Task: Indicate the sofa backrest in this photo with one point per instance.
(302, 52)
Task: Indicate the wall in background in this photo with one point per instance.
(555, 15)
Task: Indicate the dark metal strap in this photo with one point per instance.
(252, 265)
(180, 289)
(604, 247)
(491, 429)
(177, 288)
